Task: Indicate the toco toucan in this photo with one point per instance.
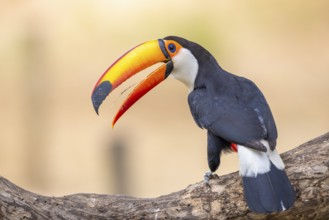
(232, 109)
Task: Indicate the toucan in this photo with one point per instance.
(231, 108)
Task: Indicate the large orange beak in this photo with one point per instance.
(132, 62)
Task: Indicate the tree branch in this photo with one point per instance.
(306, 166)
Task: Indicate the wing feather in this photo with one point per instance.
(240, 115)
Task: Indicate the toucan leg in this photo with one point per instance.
(214, 148)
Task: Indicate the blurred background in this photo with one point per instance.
(52, 53)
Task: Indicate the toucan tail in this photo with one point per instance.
(269, 192)
(266, 185)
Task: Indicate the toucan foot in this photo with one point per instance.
(207, 176)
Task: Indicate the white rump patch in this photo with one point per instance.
(185, 68)
(253, 162)
(274, 156)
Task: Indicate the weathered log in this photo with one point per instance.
(306, 166)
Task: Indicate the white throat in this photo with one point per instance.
(185, 68)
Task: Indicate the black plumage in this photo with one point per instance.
(234, 110)
(229, 106)
(269, 192)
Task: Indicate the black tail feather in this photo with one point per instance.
(269, 192)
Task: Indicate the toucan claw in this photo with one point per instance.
(208, 176)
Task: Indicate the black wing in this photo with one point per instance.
(239, 114)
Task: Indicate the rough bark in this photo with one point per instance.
(306, 166)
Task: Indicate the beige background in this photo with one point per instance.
(53, 52)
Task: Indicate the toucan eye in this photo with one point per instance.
(172, 48)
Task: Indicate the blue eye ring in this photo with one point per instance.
(172, 48)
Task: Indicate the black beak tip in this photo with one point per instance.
(96, 109)
(100, 93)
